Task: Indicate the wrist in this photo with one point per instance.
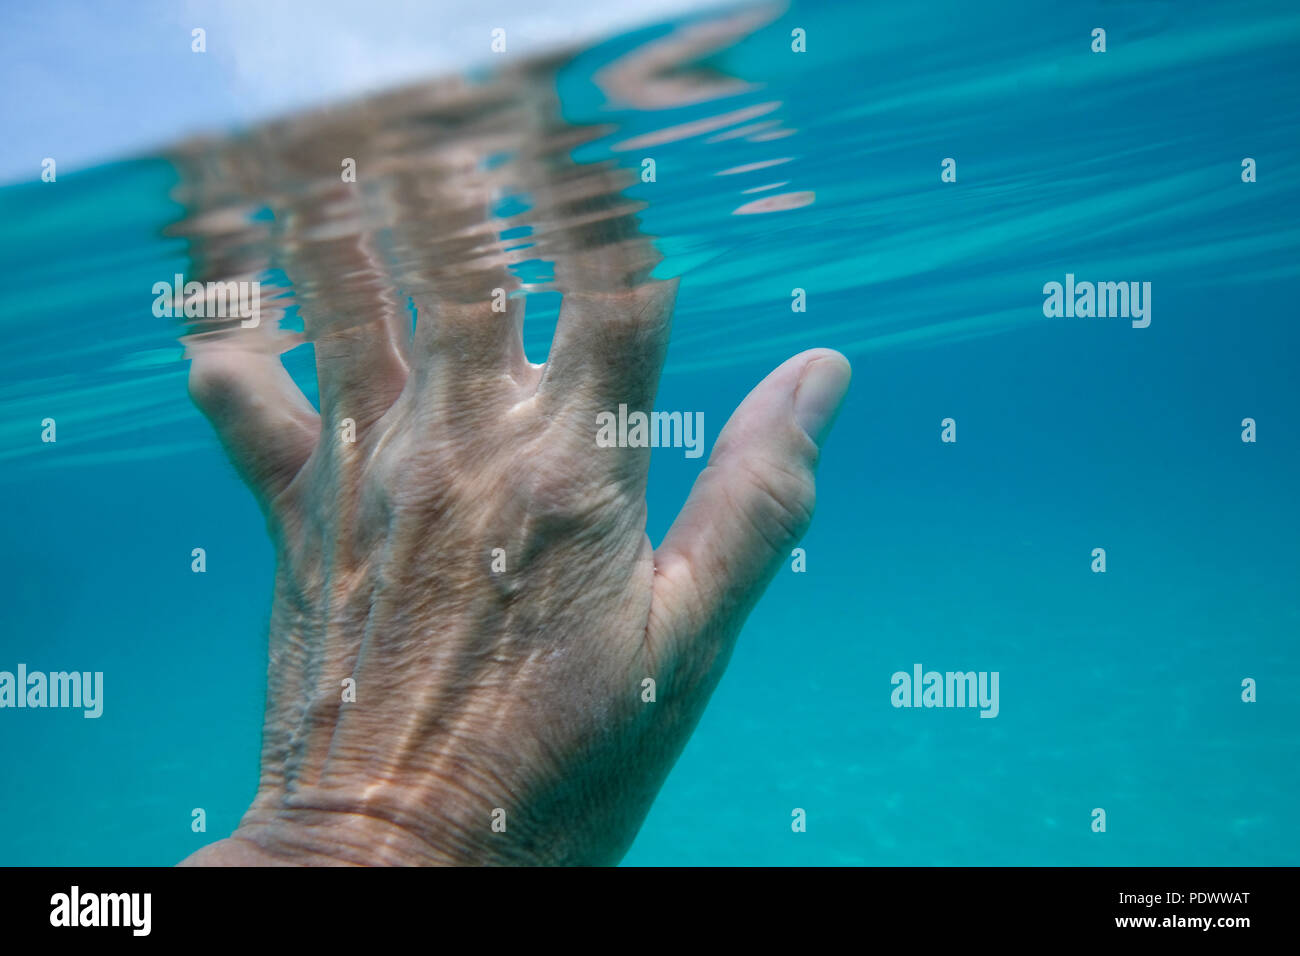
(373, 833)
(303, 837)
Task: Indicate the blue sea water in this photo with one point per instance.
(1119, 691)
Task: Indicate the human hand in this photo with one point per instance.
(482, 691)
(478, 568)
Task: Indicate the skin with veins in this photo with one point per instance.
(481, 694)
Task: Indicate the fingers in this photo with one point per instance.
(608, 351)
(470, 351)
(360, 331)
(609, 347)
(361, 364)
(752, 503)
(266, 425)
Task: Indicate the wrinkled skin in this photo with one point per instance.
(477, 690)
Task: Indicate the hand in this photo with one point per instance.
(478, 690)
(473, 564)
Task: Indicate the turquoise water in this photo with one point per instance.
(1119, 690)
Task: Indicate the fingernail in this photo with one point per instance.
(818, 395)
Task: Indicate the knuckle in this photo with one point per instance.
(213, 381)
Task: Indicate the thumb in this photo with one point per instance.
(752, 502)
